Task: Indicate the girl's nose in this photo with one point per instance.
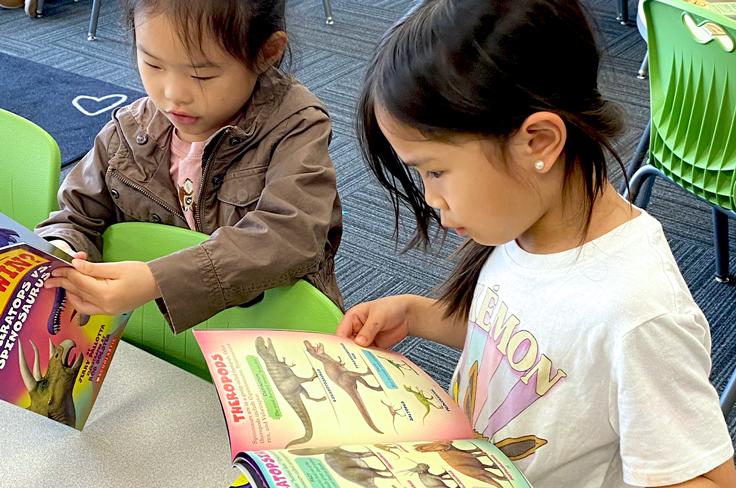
(177, 92)
(433, 198)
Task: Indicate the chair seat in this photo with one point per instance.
(298, 306)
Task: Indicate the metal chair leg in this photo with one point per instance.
(720, 240)
(644, 69)
(39, 8)
(328, 12)
(94, 16)
(639, 157)
(623, 12)
(728, 397)
(642, 179)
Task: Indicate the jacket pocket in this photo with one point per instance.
(240, 192)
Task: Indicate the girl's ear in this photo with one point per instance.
(272, 51)
(539, 142)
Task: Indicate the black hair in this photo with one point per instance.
(481, 67)
(241, 27)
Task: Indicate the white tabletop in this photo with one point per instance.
(153, 425)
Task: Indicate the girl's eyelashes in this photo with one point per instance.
(203, 78)
(433, 174)
(151, 65)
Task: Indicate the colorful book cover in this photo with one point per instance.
(313, 410)
(53, 360)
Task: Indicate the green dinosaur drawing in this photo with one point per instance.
(423, 399)
(400, 365)
(51, 392)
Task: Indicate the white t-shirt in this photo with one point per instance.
(590, 367)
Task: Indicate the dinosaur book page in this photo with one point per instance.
(288, 389)
(52, 359)
(724, 7)
(462, 463)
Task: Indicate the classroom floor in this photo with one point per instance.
(330, 61)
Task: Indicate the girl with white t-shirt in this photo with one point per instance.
(584, 355)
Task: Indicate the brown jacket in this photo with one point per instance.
(268, 199)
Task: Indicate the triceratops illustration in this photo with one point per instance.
(51, 393)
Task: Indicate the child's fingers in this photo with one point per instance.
(80, 255)
(74, 282)
(351, 322)
(83, 307)
(96, 270)
(345, 327)
(369, 330)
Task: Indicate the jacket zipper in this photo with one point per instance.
(150, 195)
(205, 175)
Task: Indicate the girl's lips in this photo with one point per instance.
(182, 118)
(460, 231)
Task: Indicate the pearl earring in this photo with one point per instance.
(539, 165)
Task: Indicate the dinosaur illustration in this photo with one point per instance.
(391, 448)
(349, 464)
(467, 462)
(53, 324)
(395, 412)
(345, 379)
(289, 385)
(431, 480)
(516, 448)
(8, 236)
(51, 393)
(423, 399)
(400, 365)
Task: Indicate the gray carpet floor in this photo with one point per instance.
(330, 60)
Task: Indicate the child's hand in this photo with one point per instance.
(106, 288)
(64, 246)
(381, 323)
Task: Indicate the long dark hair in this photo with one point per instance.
(241, 27)
(482, 67)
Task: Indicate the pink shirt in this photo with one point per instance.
(186, 174)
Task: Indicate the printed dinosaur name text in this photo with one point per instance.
(273, 469)
(236, 408)
(17, 313)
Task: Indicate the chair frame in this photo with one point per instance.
(641, 175)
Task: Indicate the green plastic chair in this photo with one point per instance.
(692, 132)
(299, 306)
(30, 164)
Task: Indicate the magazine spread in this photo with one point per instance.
(53, 360)
(723, 7)
(307, 409)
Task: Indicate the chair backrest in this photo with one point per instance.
(299, 306)
(692, 72)
(30, 164)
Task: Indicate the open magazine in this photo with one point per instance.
(314, 410)
(52, 359)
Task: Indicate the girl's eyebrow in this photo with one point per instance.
(417, 161)
(199, 65)
(143, 50)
